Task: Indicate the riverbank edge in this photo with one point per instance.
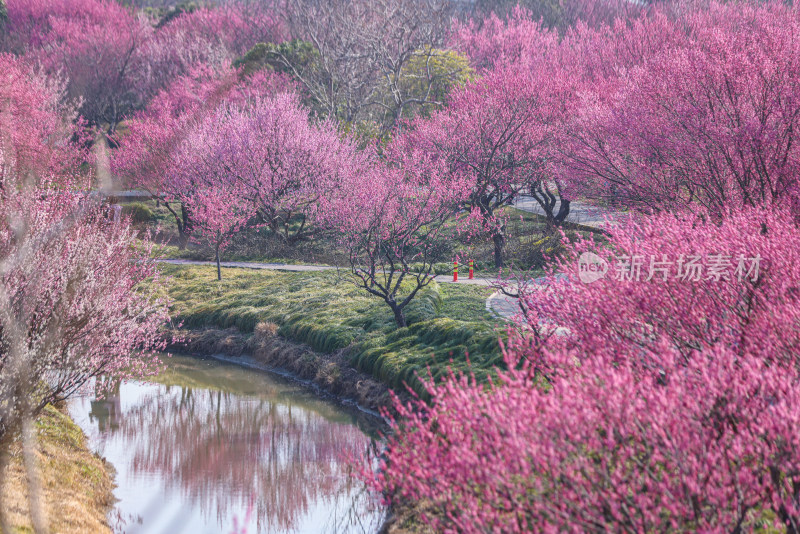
(77, 483)
(331, 373)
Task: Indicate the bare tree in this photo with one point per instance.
(358, 67)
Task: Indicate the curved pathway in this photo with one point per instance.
(501, 305)
(579, 212)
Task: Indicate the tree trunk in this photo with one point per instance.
(499, 244)
(5, 459)
(219, 271)
(183, 236)
(183, 239)
(563, 211)
(399, 316)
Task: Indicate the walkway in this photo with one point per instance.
(501, 305)
(579, 212)
(497, 303)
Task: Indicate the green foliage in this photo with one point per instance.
(3, 13)
(166, 15)
(364, 132)
(327, 312)
(440, 70)
(138, 212)
(300, 54)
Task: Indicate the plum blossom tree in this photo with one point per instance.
(37, 124)
(189, 36)
(390, 215)
(708, 445)
(682, 279)
(145, 154)
(236, 24)
(60, 325)
(217, 213)
(148, 153)
(496, 41)
(282, 163)
(207, 190)
(494, 137)
(116, 58)
(561, 14)
(95, 44)
(669, 402)
(721, 138)
(72, 300)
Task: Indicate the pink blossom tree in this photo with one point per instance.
(233, 25)
(95, 44)
(663, 403)
(707, 123)
(37, 127)
(191, 36)
(704, 445)
(684, 279)
(148, 153)
(494, 136)
(145, 155)
(390, 215)
(496, 41)
(279, 160)
(216, 215)
(115, 58)
(78, 296)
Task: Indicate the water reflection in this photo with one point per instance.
(212, 441)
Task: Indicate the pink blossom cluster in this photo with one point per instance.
(72, 300)
(624, 406)
(114, 58)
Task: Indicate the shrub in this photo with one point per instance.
(138, 212)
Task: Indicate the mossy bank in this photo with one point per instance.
(449, 326)
(77, 485)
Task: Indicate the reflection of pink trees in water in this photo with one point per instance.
(223, 450)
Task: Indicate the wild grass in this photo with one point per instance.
(448, 324)
(77, 490)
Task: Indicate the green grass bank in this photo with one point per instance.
(448, 324)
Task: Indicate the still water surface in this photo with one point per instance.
(210, 447)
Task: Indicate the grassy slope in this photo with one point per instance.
(326, 311)
(77, 487)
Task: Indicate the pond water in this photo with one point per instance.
(210, 446)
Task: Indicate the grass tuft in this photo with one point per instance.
(448, 324)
